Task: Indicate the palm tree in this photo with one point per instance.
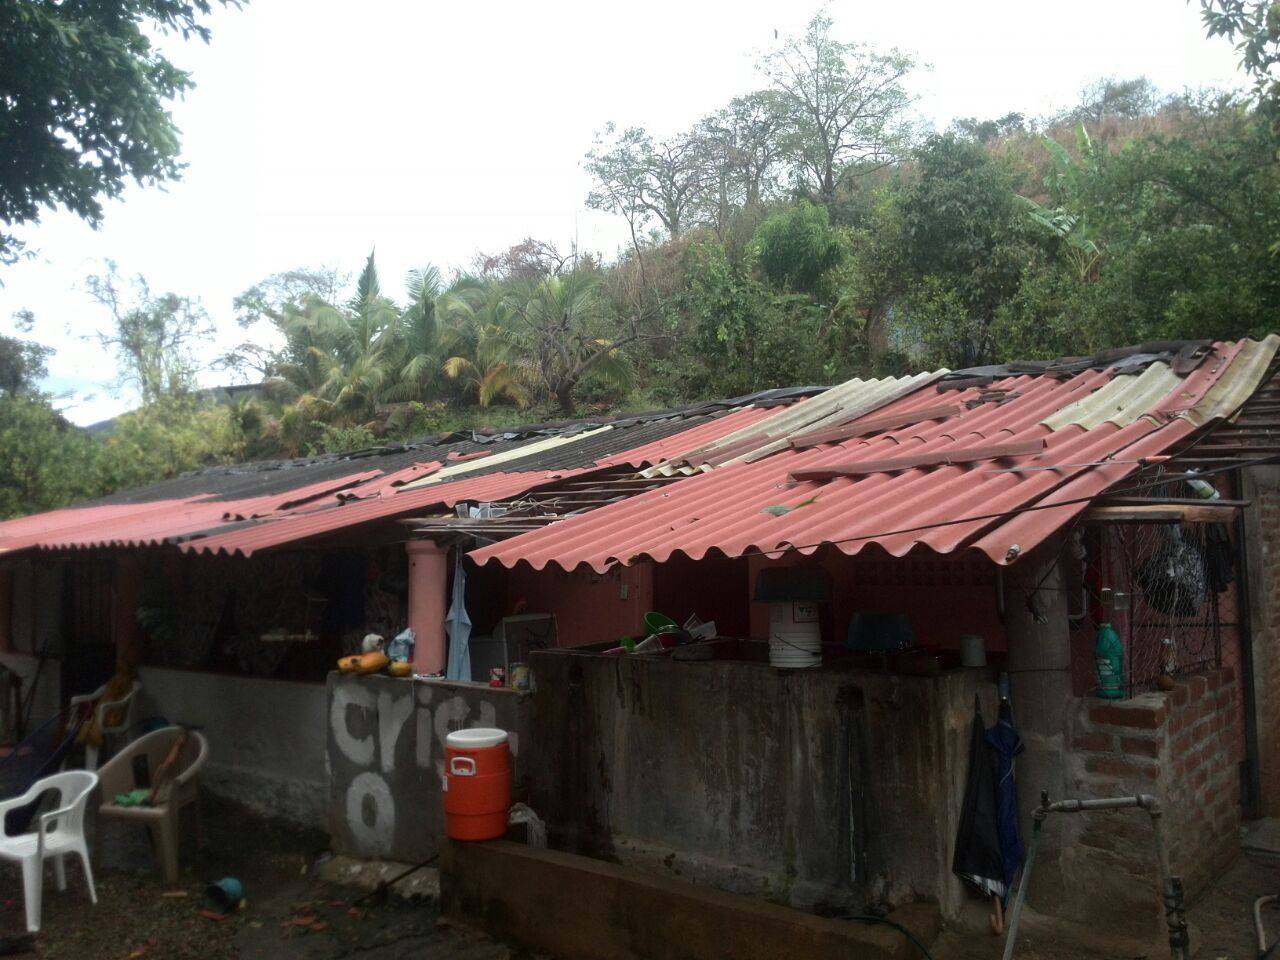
(341, 358)
(563, 326)
(486, 362)
(424, 335)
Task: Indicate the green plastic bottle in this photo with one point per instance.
(1108, 653)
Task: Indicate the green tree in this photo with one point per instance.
(155, 337)
(83, 102)
(797, 247)
(487, 363)
(963, 247)
(739, 147)
(163, 439)
(1190, 222)
(429, 331)
(45, 462)
(1112, 97)
(644, 179)
(563, 329)
(23, 363)
(844, 105)
(1254, 27)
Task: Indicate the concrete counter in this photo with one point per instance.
(824, 787)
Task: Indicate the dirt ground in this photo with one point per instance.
(1222, 918)
(291, 914)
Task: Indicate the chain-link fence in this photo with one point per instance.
(1164, 588)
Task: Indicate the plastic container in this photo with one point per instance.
(973, 650)
(795, 637)
(477, 784)
(1108, 655)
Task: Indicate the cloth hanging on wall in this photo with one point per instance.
(458, 626)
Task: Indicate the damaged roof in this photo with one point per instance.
(242, 508)
(994, 460)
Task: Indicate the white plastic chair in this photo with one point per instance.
(58, 833)
(100, 712)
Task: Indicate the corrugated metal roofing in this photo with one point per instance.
(842, 403)
(244, 508)
(1083, 418)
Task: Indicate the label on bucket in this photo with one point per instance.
(804, 612)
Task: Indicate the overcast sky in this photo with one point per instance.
(321, 129)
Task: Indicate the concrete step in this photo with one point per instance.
(576, 908)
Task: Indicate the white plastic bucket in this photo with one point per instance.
(795, 637)
(973, 650)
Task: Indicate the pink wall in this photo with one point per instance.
(942, 597)
(589, 607)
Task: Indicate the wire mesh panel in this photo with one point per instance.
(1161, 586)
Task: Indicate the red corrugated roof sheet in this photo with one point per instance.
(202, 524)
(731, 510)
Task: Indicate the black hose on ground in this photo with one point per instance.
(872, 918)
(378, 894)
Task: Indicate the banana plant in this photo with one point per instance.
(1067, 180)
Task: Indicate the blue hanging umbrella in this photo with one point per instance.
(977, 851)
(1004, 740)
(458, 626)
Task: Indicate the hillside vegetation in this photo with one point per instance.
(807, 232)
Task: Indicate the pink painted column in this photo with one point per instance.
(428, 591)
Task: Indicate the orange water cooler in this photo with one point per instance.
(477, 784)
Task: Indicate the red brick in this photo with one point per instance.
(1145, 716)
(1180, 695)
(1094, 742)
(1198, 686)
(1140, 747)
(1122, 767)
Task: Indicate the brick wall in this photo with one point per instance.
(1185, 747)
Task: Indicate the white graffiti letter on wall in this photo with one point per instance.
(370, 790)
(392, 713)
(359, 750)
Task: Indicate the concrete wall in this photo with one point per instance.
(385, 745)
(809, 788)
(266, 737)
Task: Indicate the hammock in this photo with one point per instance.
(39, 755)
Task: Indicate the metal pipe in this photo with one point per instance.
(1103, 803)
(1263, 949)
(1015, 915)
(1170, 886)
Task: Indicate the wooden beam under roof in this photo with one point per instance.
(1162, 513)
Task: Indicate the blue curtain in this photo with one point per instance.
(458, 625)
